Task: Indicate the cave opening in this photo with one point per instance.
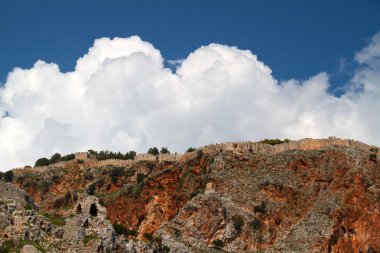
(93, 210)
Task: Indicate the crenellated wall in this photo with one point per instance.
(114, 162)
(303, 144)
(81, 156)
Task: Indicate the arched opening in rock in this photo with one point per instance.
(79, 208)
(93, 210)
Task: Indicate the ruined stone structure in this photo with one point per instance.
(90, 206)
(303, 144)
(81, 156)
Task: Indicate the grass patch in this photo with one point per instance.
(88, 238)
(182, 179)
(9, 246)
(55, 219)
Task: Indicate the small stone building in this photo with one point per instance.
(90, 205)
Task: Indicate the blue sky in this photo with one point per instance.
(75, 77)
(296, 38)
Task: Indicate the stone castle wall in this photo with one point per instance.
(81, 155)
(303, 144)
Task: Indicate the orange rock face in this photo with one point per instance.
(325, 200)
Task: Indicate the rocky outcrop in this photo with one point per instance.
(302, 196)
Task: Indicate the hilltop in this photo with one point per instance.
(298, 196)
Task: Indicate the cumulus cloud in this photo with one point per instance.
(121, 97)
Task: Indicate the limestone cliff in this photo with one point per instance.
(302, 196)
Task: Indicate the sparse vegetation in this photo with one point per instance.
(42, 162)
(90, 237)
(115, 173)
(218, 243)
(194, 193)
(68, 157)
(140, 178)
(191, 149)
(164, 150)
(55, 158)
(261, 208)
(182, 179)
(91, 189)
(373, 157)
(148, 236)
(8, 176)
(9, 246)
(256, 224)
(55, 219)
(238, 222)
(153, 151)
(105, 154)
(121, 230)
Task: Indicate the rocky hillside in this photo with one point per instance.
(324, 199)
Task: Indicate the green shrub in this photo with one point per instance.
(7, 246)
(42, 162)
(55, 158)
(55, 219)
(194, 193)
(129, 172)
(199, 153)
(164, 150)
(148, 236)
(238, 222)
(28, 207)
(100, 182)
(182, 179)
(153, 151)
(191, 149)
(132, 232)
(218, 243)
(8, 176)
(80, 161)
(120, 229)
(115, 173)
(140, 178)
(274, 141)
(91, 189)
(261, 208)
(88, 238)
(68, 157)
(373, 157)
(134, 190)
(256, 224)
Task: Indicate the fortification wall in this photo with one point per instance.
(169, 157)
(114, 162)
(145, 157)
(303, 144)
(81, 155)
(18, 171)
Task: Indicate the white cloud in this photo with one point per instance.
(121, 97)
